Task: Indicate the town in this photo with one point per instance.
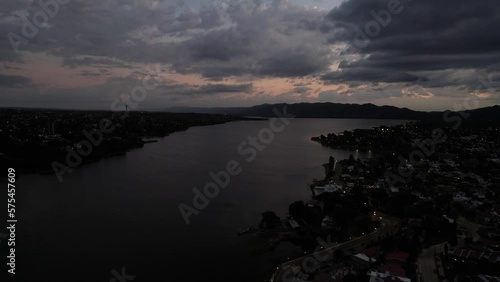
(32, 140)
(438, 221)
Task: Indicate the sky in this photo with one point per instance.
(86, 54)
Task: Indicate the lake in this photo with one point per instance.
(123, 211)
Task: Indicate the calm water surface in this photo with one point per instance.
(123, 211)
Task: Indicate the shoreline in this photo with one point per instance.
(43, 167)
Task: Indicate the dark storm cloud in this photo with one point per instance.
(427, 36)
(302, 90)
(261, 42)
(89, 73)
(430, 43)
(205, 18)
(98, 28)
(222, 88)
(301, 84)
(209, 89)
(369, 74)
(215, 40)
(75, 62)
(426, 26)
(295, 62)
(14, 81)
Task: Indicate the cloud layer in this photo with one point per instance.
(241, 52)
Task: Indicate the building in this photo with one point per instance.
(397, 257)
(330, 188)
(376, 276)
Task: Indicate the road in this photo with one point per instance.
(427, 270)
(285, 272)
(427, 266)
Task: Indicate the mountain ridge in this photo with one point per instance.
(338, 110)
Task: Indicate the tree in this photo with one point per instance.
(269, 220)
(331, 160)
(296, 209)
(313, 216)
(351, 159)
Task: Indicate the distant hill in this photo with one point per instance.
(315, 110)
(336, 110)
(489, 114)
